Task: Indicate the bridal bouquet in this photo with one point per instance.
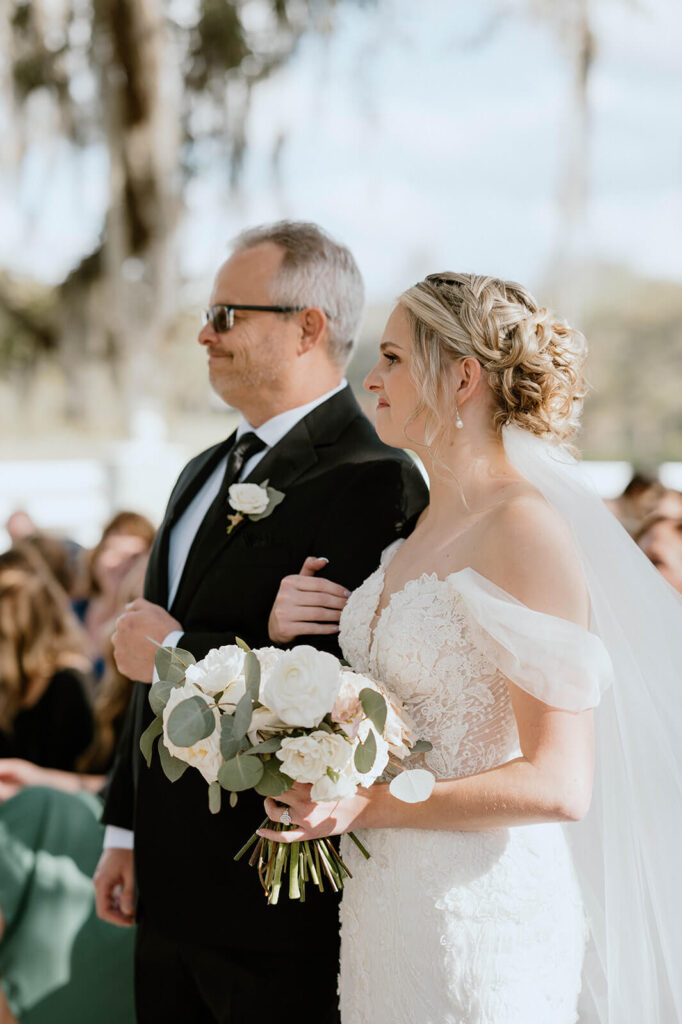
(267, 718)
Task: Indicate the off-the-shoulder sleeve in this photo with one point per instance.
(562, 664)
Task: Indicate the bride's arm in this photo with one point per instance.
(551, 781)
(529, 554)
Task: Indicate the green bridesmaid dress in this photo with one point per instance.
(59, 964)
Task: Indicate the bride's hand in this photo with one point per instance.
(314, 821)
(306, 605)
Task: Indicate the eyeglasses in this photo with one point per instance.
(221, 317)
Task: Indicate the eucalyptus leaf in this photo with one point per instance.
(252, 675)
(421, 747)
(214, 797)
(365, 754)
(273, 781)
(240, 773)
(171, 663)
(229, 746)
(413, 786)
(241, 719)
(191, 721)
(159, 694)
(173, 767)
(267, 746)
(275, 498)
(243, 644)
(374, 706)
(154, 729)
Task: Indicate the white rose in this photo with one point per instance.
(381, 759)
(268, 658)
(266, 722)
(347, 710)
(400, 731)
(302, 686)
(204, 755)
(248, 498)
(221, 669)
(306, 758)
(326, 789)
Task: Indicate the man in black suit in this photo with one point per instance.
(284, 316)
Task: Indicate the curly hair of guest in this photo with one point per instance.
(532, 359)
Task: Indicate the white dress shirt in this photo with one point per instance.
(184, 531)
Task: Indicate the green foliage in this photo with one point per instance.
(374, 706)
(191, 721)
(171, 663)
(230, 744)
(252, 675)
(267, 746)
(240, 773)
(173, 767)
(214, 797)
(273, 781)
(275, 498)
(159, 693)
(154, 729)
(365, 754)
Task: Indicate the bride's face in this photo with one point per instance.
(391, 382)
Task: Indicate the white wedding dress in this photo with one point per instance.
(443, 927)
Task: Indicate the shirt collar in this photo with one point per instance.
(273, 430)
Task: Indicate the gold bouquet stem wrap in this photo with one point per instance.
(309, 860)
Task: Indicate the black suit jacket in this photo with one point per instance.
(347, 496)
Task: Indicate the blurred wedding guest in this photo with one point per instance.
(123, 540)
(54, 553)
(638, 500)
(669, 505)
(58, 962)
(45, 713)
(110, 705)
(660, 538)
(19, 525)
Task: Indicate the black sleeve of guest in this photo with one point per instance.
(71, 719)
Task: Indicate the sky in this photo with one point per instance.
(426, 136)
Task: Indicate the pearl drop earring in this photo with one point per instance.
(458, 418)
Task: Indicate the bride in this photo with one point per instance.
(539, 882)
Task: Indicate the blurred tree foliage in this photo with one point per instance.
(633, 327)
(166, 86)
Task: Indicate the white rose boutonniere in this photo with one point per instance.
(252, 501)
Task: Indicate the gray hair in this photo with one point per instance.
(315, 271)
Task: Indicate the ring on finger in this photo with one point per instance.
(285, 817)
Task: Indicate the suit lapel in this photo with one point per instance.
(156, 588)
(281, 466)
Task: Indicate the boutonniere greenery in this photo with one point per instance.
(252, 501)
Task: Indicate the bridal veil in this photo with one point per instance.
(627, 850)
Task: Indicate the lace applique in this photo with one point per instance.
(452, 927)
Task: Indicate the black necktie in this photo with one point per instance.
(240, 453)
(215, 522)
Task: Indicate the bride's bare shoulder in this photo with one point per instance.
(527, 549)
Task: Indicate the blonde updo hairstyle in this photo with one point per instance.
(532, 360)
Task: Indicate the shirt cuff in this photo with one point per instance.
(171, 640)
(118, 838)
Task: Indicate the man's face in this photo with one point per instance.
(662, 544)
(258, 354)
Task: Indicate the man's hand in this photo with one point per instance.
(114, 882)
(134, 651)
(305, 605)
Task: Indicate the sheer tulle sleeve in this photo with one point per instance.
(557, 661)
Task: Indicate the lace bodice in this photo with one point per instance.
(464, 927)
(423, 649)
